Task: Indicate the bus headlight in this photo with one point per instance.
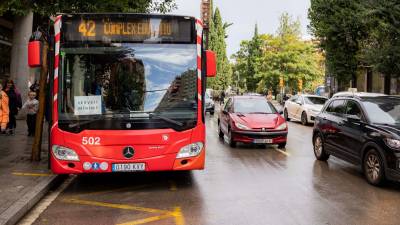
(190, 150)
(64, 153)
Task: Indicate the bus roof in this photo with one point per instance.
(131, 14)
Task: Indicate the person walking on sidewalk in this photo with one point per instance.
(4, 111)
(31, 106)
(14, 103)
(269, 96)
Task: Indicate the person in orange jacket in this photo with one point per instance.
(4, 110)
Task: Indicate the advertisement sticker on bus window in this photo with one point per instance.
(87, 105)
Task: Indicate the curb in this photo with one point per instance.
(16, 211)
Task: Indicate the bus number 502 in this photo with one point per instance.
(90, 140)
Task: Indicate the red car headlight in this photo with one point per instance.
(242, 126)
(283, 126)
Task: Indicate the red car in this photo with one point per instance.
(252, 119)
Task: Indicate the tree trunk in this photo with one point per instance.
(37, 144)
(387, 84)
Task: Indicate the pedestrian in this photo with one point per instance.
(35, 88)
(269, 96)
(14, 104)
(4, 110)
(31, 106)
(222, 98)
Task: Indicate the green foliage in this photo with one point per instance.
(358, 33)
(51, 7)
(217, 44)
(340, 25)
(266, 58)
(381, 48)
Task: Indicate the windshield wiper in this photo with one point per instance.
(78, 123)
(166, 119)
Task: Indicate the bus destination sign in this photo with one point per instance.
(127, 30)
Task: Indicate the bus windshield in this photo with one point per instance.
(129, 82)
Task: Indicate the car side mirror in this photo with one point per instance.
(280, 111)
(225, 112)
(353, 118)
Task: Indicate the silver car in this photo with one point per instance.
(210, 105)
(303, 108)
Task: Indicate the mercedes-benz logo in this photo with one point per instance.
(128, 152)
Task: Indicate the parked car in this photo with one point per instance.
(210, 105)
(252, 119)
(303, 108)
(320, 91)
(363, 130)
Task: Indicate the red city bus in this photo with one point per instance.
(128, 93)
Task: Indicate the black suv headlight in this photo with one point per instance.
(393, 143)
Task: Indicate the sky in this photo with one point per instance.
(245, 14)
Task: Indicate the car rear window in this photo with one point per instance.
(315, 100)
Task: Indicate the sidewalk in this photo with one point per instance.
(22, 182)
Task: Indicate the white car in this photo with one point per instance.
(303, 108)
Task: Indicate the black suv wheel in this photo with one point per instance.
(373, 168)
(319, 150)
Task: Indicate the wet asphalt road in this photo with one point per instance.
(245, 185)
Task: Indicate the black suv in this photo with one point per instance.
(363, 129)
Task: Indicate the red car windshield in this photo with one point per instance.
(253, 105)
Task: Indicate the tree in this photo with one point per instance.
(288, 28)
(217, 44)
(381, 49)
(51, 7)
(255, 52)
(340, 26)
(283, 55)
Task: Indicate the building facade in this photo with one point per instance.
(15, 32)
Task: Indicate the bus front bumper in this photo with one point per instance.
(167, 162)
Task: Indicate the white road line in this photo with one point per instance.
(34, 214)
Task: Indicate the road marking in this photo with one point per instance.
(32, 174)
(176, 214)
(113, 205)
(113, 190)
(172, 185)
(283, 152)
(34, 214)
(147, 220)
(179, 219)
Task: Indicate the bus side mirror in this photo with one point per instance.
(211, 63)
(34, 53)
